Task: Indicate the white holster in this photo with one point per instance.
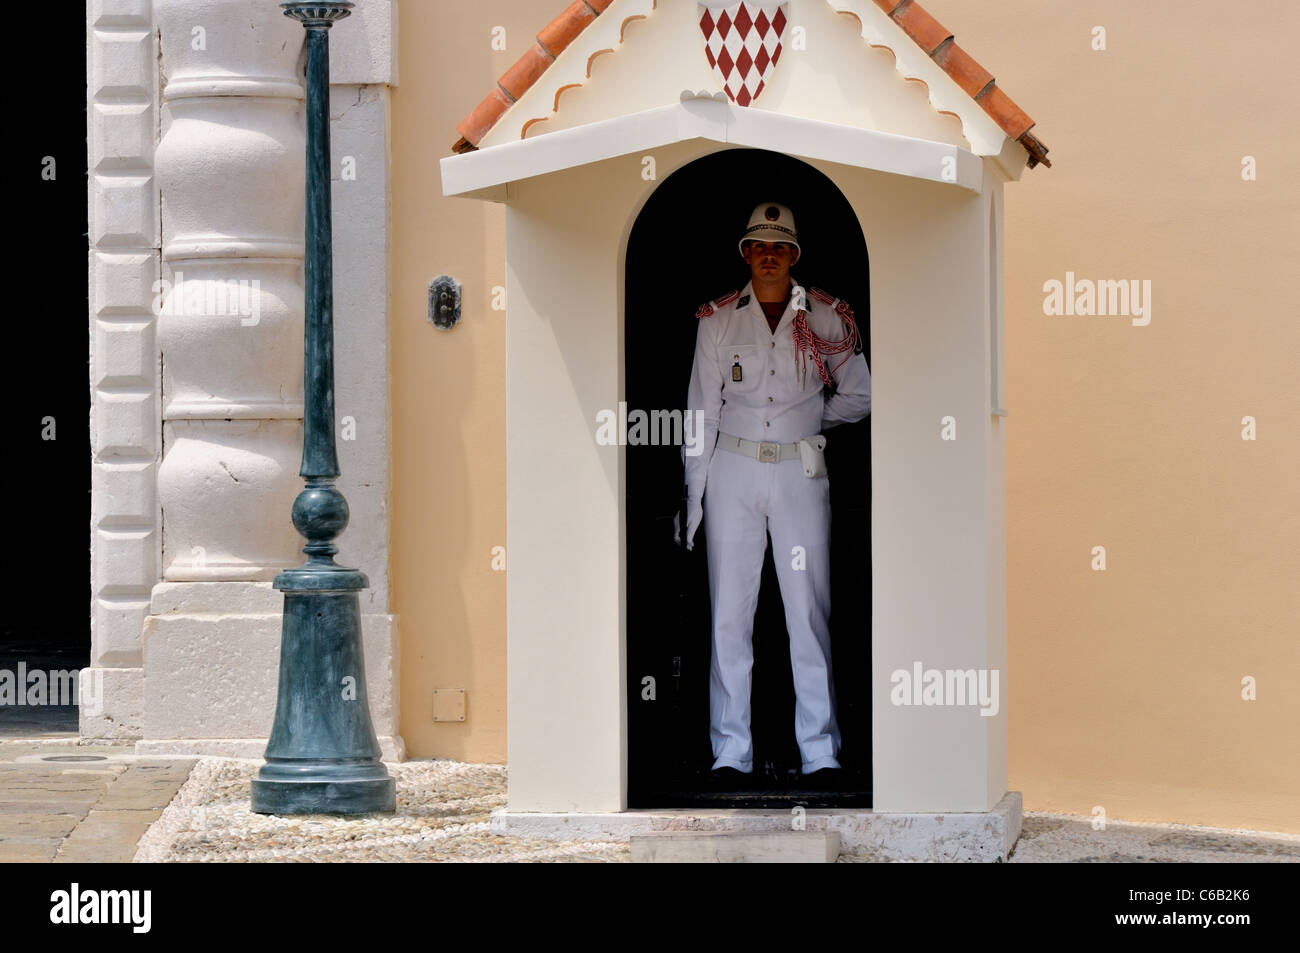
(811, 456)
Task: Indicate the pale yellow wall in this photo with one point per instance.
(448, 399)
(1124, 686)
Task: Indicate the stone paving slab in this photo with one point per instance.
(19, 828)
(80, 810)
(110, 832)
(64, 802)
(145, 787)
(36, 852)
(106, 837)
(22, 777)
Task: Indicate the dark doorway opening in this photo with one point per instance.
(45, 632)
(682, 252)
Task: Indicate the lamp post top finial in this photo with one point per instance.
(317, 13)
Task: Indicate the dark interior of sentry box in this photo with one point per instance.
(681, 253)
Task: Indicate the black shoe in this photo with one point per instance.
(824, 779)
(727, 778)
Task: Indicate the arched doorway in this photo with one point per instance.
(682, 252)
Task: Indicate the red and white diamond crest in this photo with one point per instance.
(743, 43)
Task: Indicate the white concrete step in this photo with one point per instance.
(749, 847)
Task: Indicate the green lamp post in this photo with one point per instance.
(322, 756)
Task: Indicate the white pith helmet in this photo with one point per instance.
(770, 222)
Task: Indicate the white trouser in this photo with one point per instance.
(744, 499)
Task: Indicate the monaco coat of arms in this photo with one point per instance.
(743, 42)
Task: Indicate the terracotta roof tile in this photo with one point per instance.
(485, 115)
(517, 80)
(961, 66)
(1005, 113)
(927, 32)
(561, 31)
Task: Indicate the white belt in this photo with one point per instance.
(758, 450)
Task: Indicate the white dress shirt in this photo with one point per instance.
(772, 401)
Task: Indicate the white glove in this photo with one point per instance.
(694, 515)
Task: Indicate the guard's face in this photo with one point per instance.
(770, 261)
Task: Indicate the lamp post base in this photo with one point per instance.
(317, 793)
(322, 756)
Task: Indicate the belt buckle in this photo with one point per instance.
(769, 452)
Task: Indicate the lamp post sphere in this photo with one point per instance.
(320, 513)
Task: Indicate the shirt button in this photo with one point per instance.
(773, 371)
(767, 423)
(773, 344)
(769, 400)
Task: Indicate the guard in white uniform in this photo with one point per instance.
(763, 396)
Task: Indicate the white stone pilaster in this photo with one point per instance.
(229, 164)
(196, 149)
(230, 170)
(121, 119)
